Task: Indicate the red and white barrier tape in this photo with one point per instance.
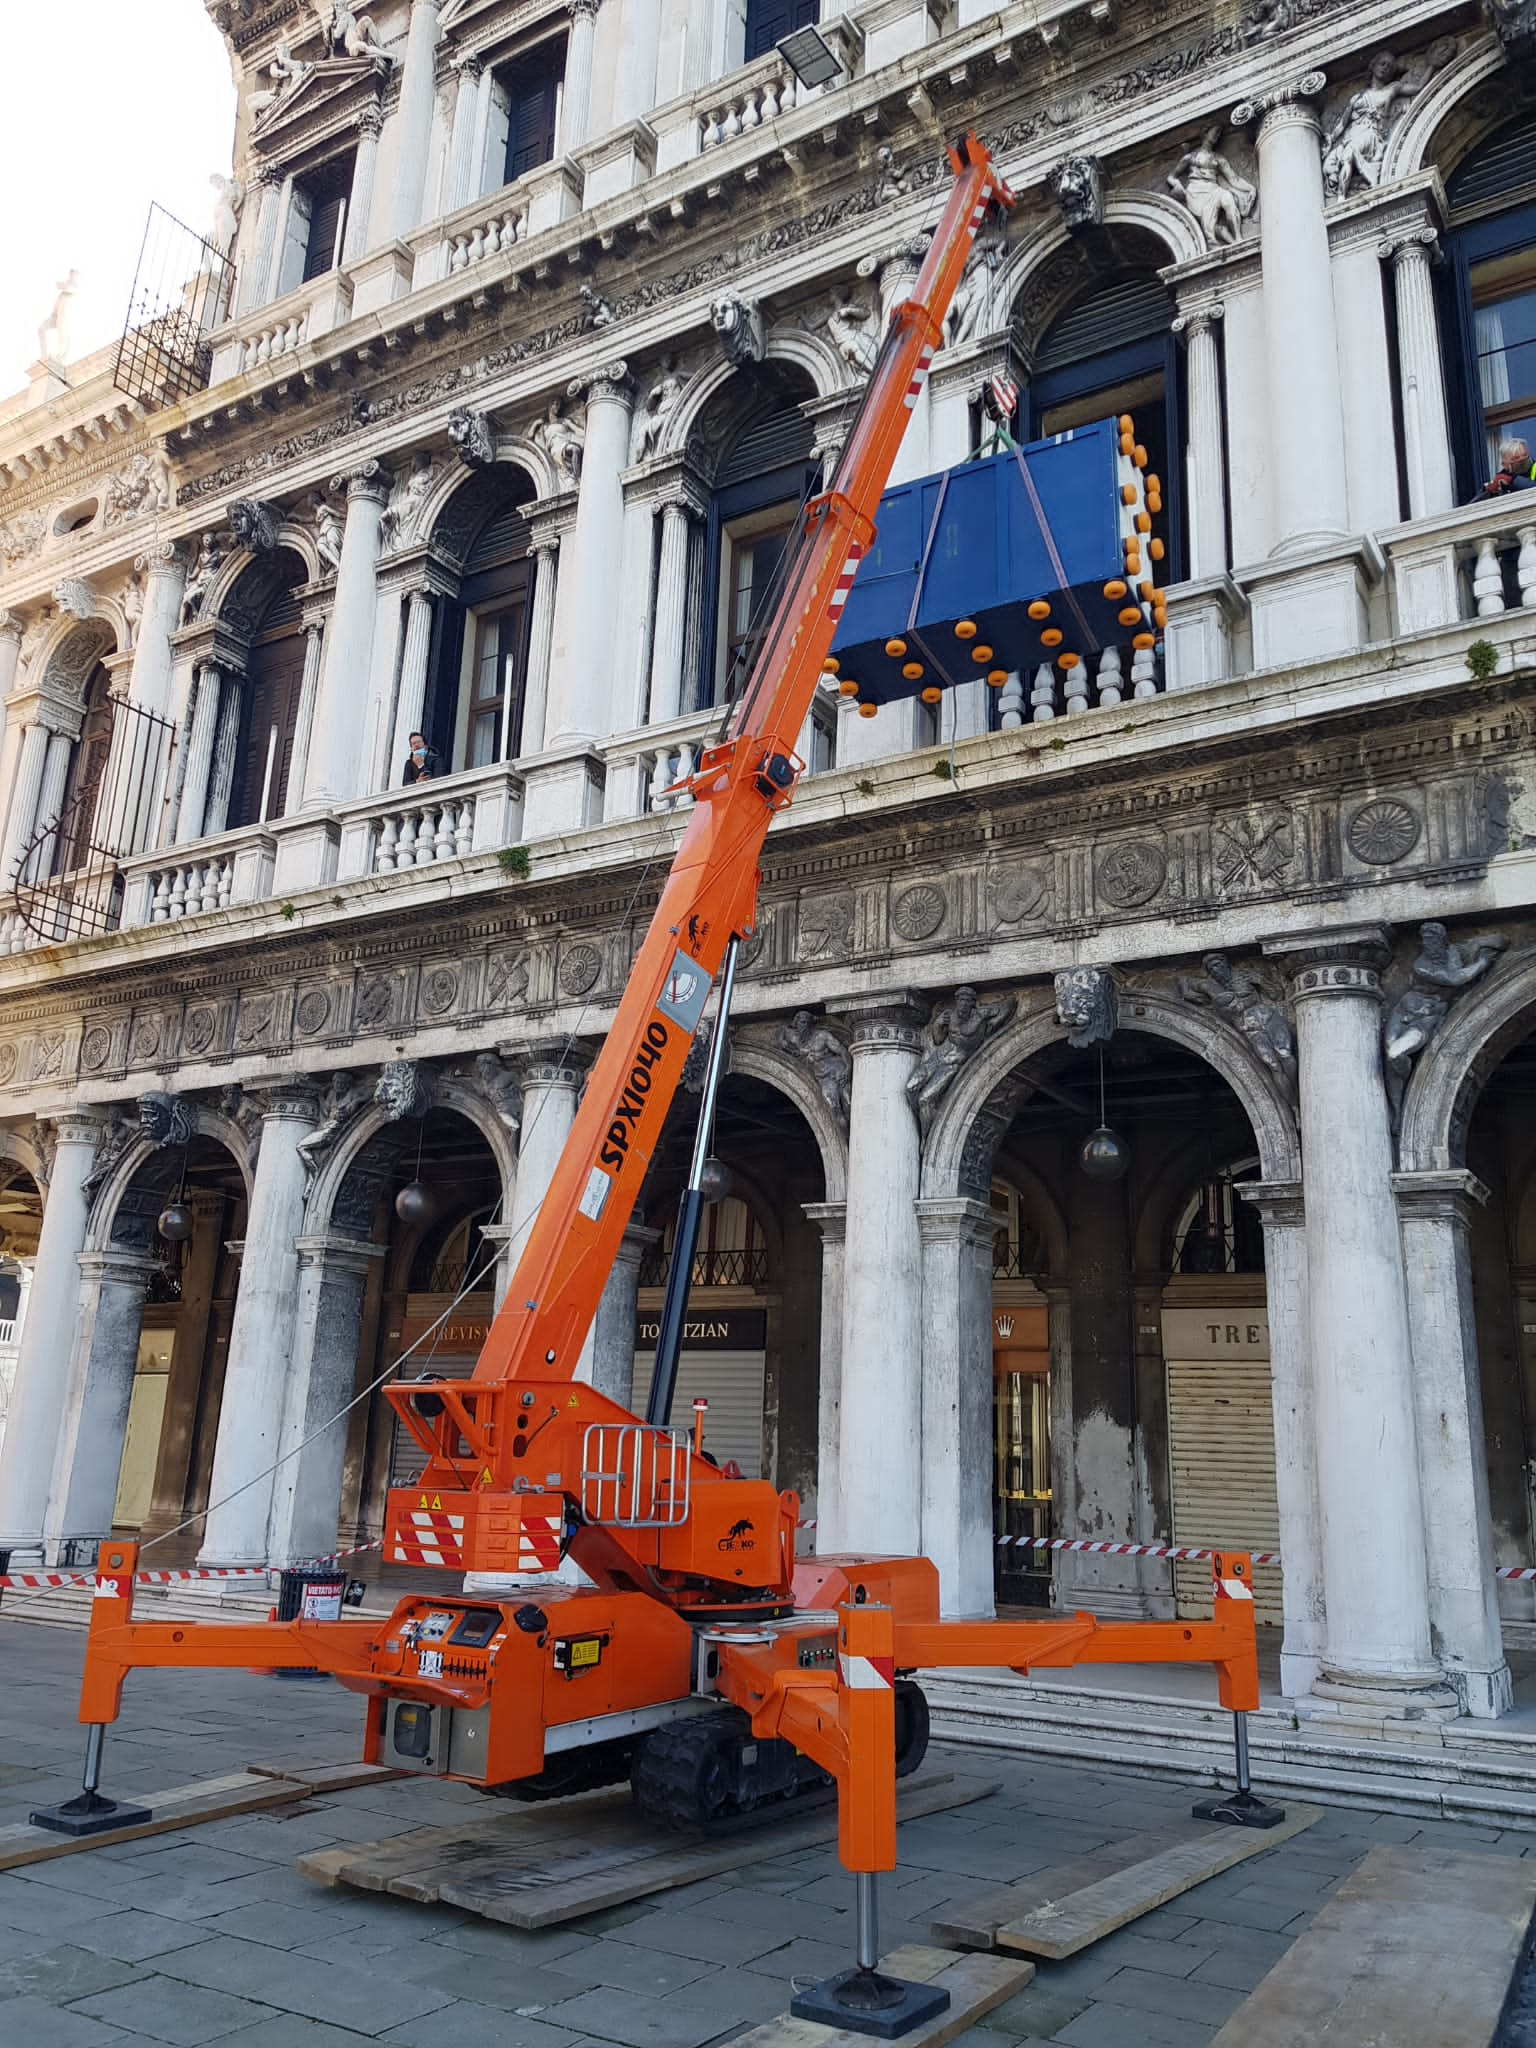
(1175, 1550)
(42, 1581)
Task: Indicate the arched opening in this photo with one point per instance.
(477, 663)
(274, 680)
(1129, 1338)
(21, 1219)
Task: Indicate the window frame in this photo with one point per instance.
(1510, 232)
(789, 484)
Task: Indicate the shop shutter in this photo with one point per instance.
(732, 1383)
(1221, 1455)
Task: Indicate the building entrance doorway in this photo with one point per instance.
(1021, 1462)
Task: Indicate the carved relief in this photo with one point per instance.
(652, 416)
(406, 501)
(499, 1085)
(561, 436)
(48, 1058)
(826, 927)
(312, 1011)
(1205, 182)
(955, 1033)
(1077, 186)
(403, 1090)
(1251, 852)
(253, 525)
(473, 437)
(254, 1024)
(1255, 1008)
(1514, 21)
(739, 328)
(971, 310)
(1383, 831)
(145, 485)
(439, 990)
(1020, 892)
(205, 567)
(1088, 1005)
(95, 1050)
(1131, 872)
(507, 982)
(375, 1001)
(917, 913)
(7, 1064)
(819, 1049)
(1355, 140)
(164, 1119)
(328, 533)
(579, 970)
(1440, 972)
(199, 1030)
(347, 1095)
(854, 330)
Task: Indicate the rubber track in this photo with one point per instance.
(666, 1773)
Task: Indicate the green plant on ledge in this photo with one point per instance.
(1482, 660)
(513, 860)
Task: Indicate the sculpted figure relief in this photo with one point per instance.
(855, 332)
(1441, 971)
(473, 436)
(651, 418)
(402, 1090)
(970, 311)
(956, 1033)
(350, 31)
(205, 566)
(144, 486)
(164, 1119)
(1243, 1001)
(1217, 197)
(253, 526)
(499, 1083)
(561, 436)
(404, 507)
(285, 71)
(1088, 1004)
(892, 181)
(738, 324)
(346, 1095)
(599, 311)
(228, 203)
(1356, 137)
(829, 1060)
(1077, 186)
(328, 529)
(1514, 21)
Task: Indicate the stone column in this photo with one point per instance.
(957, 1238)
(1279, 1205)
(255, 286)
(370, 125)
(10, 745)
(498, 1238)
(188, 823)
(165, 568)
(1426, 435)
(461, 142)
(635, 84)
(880, 1462)
(1375, 1579)
(1434, 1211)
(226, 752)
(1306, 414)
(578, 75)
(1205, 462)
(50, 800)
(613, 1331)
(38, 1393)
(580, 687)
(552, 1081)
(261, 1340)
(309, 686)
(22, 821)
(337, 741)
(541, 636)
(413, 678)
(413, 120)
(306, 1492)
(831, 1219)
(671, 633)
(98, 1389)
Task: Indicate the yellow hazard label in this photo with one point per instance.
(422, 1502)
(485, 1476)
(434, 1504)
(573, 1402)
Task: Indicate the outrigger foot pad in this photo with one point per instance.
(1239, 1810)
(868, 2002)
(89, 1813)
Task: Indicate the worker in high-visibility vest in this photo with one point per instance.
(1514, 473)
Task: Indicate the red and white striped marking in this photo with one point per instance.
(434, 1539)
(1232, 1589)
(919, 379)
(42, 1579)
(844, 582)
(1174, 1550)
(867, 1674)
(538, 1544)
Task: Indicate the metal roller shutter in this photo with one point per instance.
(732, 1383)
(1221, 1456)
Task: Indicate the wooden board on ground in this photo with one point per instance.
(319, 1778)
(1415, 1949)
(1057, 1927)
(182, 1806)
(535, 1867)
(972, 1923)
(976, 1984)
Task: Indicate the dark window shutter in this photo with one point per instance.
(1503, 167)
(769, 21)
(274, 679)
(533, 88)
(1131, 309)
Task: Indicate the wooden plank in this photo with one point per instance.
(340, 1777)
(1058, 1928)
(976, 1984)
(181, 1806)
(973, 1923)
(1415, 1949)
(375, 1866)
(541, 1892)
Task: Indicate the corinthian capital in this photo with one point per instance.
(610, 381)
(1288, 100)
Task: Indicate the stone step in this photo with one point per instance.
(247, 1600)
(1472, 1776)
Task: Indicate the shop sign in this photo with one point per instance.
(1214, 1332)
(725, 1329)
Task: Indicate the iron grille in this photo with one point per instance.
(68, 882)
(181, 289)
(710, 1269)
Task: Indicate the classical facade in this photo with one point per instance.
(519, 333)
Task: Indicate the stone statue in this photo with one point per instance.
(75, 597)
(855, 332)
(402, 1090)
(830, 1062)
(892, 181)
(599, 311)
(1513, 21)
(205, 566)
(1272, 17)
(473, 437)
(254, 526)
(132, 601)
(406, 501)
(346, 1094)
(145, 485)
(244, 1114)
(1088, 1004)
(285, 71)
(164, 1119)
(1243, 1001)
(971, 308)
(328, 531)
(350, 33)
(651, 419)
(561, 437)
(1077, 186)
(117, 1133)
(1442, 969)
(1356, 138)
(956, 1033)
(53, 337)
(500, 1084)
(739, 326)
(1218, 198)
(228, 203)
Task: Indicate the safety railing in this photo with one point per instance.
(634, 1477)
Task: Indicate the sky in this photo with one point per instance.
(105, 105)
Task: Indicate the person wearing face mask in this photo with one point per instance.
(420, 762)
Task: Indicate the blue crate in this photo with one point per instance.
(977, 546)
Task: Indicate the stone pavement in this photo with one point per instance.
(210, 1934)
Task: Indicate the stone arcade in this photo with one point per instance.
(540, 320)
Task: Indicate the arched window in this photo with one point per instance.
(1491, 283)
(274, 677)
(761, 482)
(479, 659)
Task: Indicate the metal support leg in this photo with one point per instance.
(864, 2000)
(1240, 1809)
(90, 1813)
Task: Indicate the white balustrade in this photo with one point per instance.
(190, 888)
(498, 231)
(480, 811)
(1474, 563)
(419, 834)
(279, 338)
(755, 100)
